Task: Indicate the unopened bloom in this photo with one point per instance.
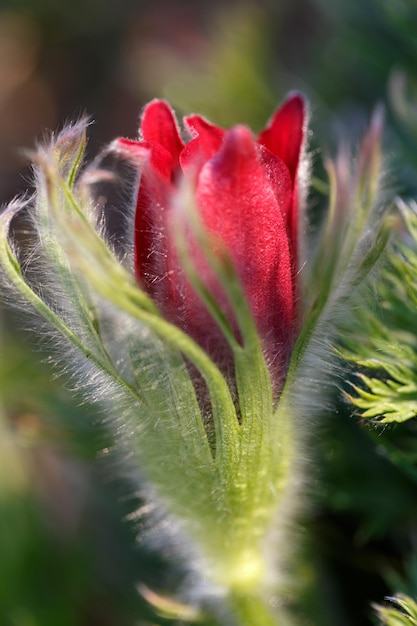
(246, 193)
(222, 459)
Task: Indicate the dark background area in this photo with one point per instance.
(69, 553)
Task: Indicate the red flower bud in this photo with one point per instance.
(246, 192)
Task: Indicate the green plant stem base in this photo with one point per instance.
(247, 609)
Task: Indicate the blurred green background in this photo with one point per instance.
(70, 548)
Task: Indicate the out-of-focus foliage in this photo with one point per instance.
(368, 47)
(402, 612)
(67, 534)
(385, 343)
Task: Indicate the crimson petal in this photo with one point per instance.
(239, 206)
(284, 136)
(206, 142)
(285, 132)
(159, 126)
(150, 240)
(146, 154)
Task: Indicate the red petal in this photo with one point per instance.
(150, 234)
(145, 154)
(152, 257)
(238, 205)
(159, 126)
(207, 141)
(154, 164)
(284, 135)
(209, 133)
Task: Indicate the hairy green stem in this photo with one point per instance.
(251, 609)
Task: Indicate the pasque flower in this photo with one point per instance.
(221, 461)
(246, 192)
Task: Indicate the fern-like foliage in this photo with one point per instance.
(401, 612)
(385, 348)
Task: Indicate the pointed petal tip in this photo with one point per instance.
(295, 105)
(239, 146)
(196, 124)
(157, 103)
(285, 132)
(206, 141)
(240, 137)
(159, 126)
(297, 97)
(158, 115)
